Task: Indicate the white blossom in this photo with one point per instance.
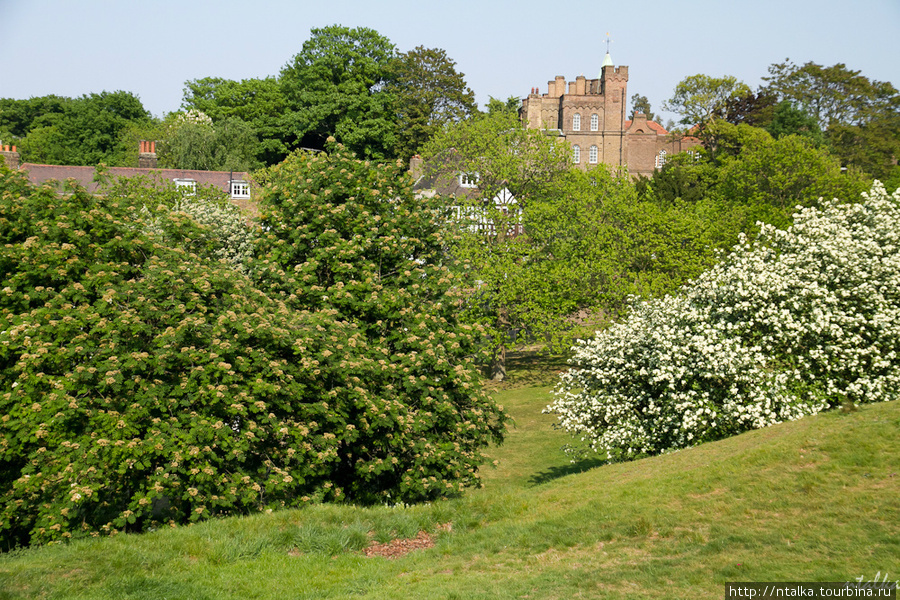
(791, 324)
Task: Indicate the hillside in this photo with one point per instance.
(816, 499)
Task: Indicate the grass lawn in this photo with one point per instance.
(812, 500)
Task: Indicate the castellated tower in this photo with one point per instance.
(591, 115)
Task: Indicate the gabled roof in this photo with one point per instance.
(39, 174)
(652, 125)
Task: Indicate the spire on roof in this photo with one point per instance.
(607, 60)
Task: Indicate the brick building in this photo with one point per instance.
(591, 115)
(237, 184)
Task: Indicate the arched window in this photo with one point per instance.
(595, 122)
(660, 159)
(592, 157)
(576, 122)
(576, 154)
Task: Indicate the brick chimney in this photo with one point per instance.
(10, 156)
(147, 155)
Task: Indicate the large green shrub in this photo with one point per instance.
(349, 236)
(798, 321)
(142, 384)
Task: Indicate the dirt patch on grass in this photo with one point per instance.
(402, 547)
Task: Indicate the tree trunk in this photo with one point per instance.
(498, 365)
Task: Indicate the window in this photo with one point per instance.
(595, 122)
(576, 154)
(187, 187)
(576, 122)
(240, 189)
(660, 159)
(592, 157)
(468, 180)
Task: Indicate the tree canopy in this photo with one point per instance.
(429, 93)
(700, 98)
(336, 86)
(73, 131)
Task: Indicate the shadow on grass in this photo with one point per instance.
(579, 466)
(530, 367)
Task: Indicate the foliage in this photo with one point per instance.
(79, 131)
(19, 117)
(701, 98)
(642, 105)
(142, 385)
(754, 109)
(348, 237)
(773, 177)
(222, 231)
(502, 153)
(260, 103)
(511, 105)
(860, 117)
(190, 140)
(788, 119)
(335, 87)
(429, 92)
(504, 157)
(833, 94)
(683, 177)
(798, 321)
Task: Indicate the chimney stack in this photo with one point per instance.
(10, 155)
(147, 155)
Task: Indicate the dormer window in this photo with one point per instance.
(240, 189)
(468, 180)
(187, 187)
(576, 122)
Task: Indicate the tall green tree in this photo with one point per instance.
(347, 238)
(510, 105)
(860, 117)
(701, 98)
(258, 102)
(642, 105)
(80, 131)
(503, 157)
(429, 92)
(789, 119)
(772, 177)
(191, 140)
(336, 86)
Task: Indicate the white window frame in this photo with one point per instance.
(240, 189)
(576, 154)
(661, 159)
(592, 156)
(468, 180)
(595, 122)
(576, 122)
(188, 187)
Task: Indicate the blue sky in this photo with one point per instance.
(504, 48)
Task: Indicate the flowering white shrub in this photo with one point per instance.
(232, 237)
(786, 326)
(193, 116)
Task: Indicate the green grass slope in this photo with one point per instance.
(816, 499)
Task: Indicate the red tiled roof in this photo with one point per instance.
(659, 129)
(38, 174)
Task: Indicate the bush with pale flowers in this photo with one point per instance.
(793, 323)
